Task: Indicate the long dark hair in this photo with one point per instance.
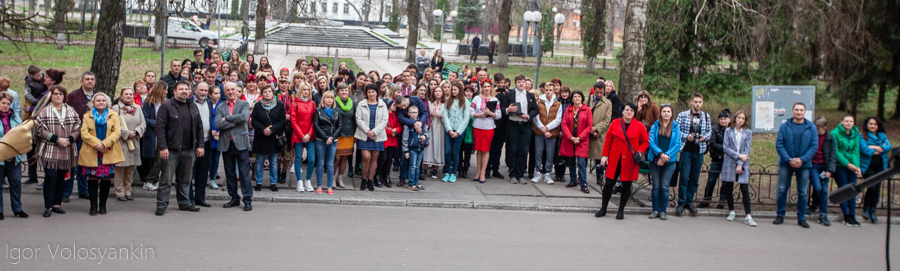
(460, 96)
(665, 127)
(866, 127)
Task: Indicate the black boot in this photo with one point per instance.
(362, 185)
(104, 196)
(378, 183)
(572, 183)
(93, 190)
(387, 182)
(370, 185)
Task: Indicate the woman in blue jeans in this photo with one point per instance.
(268, 122)
(456, 121)
(665, 142)
(303, 107)
(327, 126)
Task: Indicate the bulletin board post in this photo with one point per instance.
(772, 105)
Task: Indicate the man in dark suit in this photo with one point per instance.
(234, 143)
(179, 139)
(201, 167)
(521, 108)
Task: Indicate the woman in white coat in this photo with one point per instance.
(131, 131)
(371, 118)
(736, 164)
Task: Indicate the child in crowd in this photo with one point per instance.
(414, 144)
(34, 88)
(393, 129)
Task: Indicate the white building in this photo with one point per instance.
(350, 12)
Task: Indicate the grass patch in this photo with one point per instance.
(421, 45)
(384, 38)
(576, 79)
(75, 60)
(329, 60)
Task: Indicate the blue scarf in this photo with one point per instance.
(328, 110)
(100, 122)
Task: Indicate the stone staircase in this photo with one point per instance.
(328, 36)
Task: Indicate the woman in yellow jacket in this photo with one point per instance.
(101, 150)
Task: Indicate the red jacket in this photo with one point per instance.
(585, 123)
(617, 152)
(393, 123)
(301, 120)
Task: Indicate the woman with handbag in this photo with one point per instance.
(268, 122)
(736, 164)
(133, 126)
(623, 150)
(665, 143)
(371, 118)
(576, 129)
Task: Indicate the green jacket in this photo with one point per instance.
(847, 146)
(245, 31)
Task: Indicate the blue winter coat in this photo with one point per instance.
(784, 144)
(866, 153)
(674, 142)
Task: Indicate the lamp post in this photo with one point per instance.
(559, 19)
(578, 12)
(173, 7)
(535, 16)
(440, 14)
(483, 31)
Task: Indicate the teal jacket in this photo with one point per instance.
(866, 153)
(14, 121)
(674, 143)
(456, 118)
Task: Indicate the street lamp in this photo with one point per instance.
(559, 19)
(173, 7)
(535, 16)
(440, 14)
(578, 12)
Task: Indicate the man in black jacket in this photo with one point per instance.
(403, 117)
(520, 106)
(173, 77)
(716, 153)
(180, 140)
(824, 163)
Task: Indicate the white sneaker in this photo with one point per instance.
(292, 169)
(537, 178)
(548, 179)
(749, 221)
(309, 187)
(146, 186)
(213, 185)
(153, 187)
(299, 186)
(730, 216)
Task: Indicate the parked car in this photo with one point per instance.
(180, 28)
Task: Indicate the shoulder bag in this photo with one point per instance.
(639, 157)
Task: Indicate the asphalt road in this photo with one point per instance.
(282, 236)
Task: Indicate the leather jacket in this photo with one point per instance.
(326, 126)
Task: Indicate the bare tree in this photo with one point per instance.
(161, 25)
(412, 13)
(245, 10)
(60, 19)
(505, 27)
(631, 79)
(260, 47)
(108, 48)
(613, 7)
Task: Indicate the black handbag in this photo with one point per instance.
(279, 139)
(639, 157)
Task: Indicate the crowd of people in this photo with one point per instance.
(174, 130)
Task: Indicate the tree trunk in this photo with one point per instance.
(882, 88)
(161, 25)
(108, 48)
(896, 115)
(60, 19)
(412, 14)
(842, 99)
(245, 10)
(611, 27)
(32, 6)
(367, 8)
(279, 9)
(83, 12)
(292, 12)
(381, 13)
(47, 4)
(854, 99)
(94, 14)
(631, 79)
(259, 48)
(505, 27)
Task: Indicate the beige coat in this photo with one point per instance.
(602, 112)
(133, 123)
(362, 121)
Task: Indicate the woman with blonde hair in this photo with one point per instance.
(100, 132)
(133, 128)
(303, 136)
(327, 125)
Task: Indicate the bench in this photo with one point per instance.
(448, 68)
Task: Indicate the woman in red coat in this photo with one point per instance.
(303, 136)
(617, 156)
(576, 127)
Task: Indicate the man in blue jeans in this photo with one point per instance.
(695, 132)
(796, 144)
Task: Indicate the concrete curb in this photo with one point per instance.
(456, 204)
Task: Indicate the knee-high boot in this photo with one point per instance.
(104, 195)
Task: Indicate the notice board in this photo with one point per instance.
(772, 105)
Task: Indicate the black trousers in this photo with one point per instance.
(496, 147)
(98, 192)
(518, 140)
(54, 181)
(32, 167)
(728, 191)
(474, 55)
(491, 58)
(201, 175)
(240, 160)
(385, 159)
(870, 198)
(465, 157)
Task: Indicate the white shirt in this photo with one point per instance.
(738, 133)
(477, 106)
(521, 99)
(204, 117)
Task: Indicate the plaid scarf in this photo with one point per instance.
(49, 123)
